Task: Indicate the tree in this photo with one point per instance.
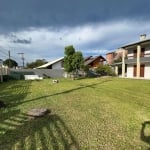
(69, 50)
(73, 61)
(36, 63)
(77, 62)
(68, 64)
(10, 63)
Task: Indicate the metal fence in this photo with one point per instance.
(4, 71)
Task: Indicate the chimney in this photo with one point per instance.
(142, 37)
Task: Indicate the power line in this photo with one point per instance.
(3, 57)
(3, 52)
(9, 59)
(5, 49)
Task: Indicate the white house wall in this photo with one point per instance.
(130, 71)
(57, 65)
(147, 71)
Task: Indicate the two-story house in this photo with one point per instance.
(136, 64)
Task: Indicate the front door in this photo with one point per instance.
(141, 70)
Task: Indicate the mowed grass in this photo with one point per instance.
(101, 113)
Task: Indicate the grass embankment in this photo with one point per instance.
(86, 114)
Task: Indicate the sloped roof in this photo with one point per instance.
(91, 59)
(50, 63)
(87, 58)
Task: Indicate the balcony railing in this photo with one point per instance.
(142, 55)
(145, 59)
(134, 60)
(130, 61)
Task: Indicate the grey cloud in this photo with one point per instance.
(22, 41)
(14, 38)
(19, 14)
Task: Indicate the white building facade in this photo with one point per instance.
(137, 61)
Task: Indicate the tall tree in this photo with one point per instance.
(10, 63)
(73, 60)
(69, 51)
(77, 62)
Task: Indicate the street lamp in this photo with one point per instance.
(1, 74)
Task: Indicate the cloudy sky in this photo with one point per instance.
(42, 28)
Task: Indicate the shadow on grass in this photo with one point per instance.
(49, 132)
(11, 93)
(14, 92)
(15, 130)
(143, 136)
(81, 86)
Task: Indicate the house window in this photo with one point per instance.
(135, 53)
(142, 52)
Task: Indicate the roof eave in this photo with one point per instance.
(135, 43)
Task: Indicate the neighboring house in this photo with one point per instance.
(93, 62)
(110, 57)
(115, 60)
(55, 68)
(137, 62)
(56, 64)
(114, 56)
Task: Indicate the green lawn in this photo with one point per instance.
(102, 114)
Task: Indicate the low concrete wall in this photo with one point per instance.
(33, 77)
(52, 73)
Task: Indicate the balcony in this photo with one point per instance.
(144, 59)
(134, 60)
(130, 61)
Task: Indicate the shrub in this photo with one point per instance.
(105, 70)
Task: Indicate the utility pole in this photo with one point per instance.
(22, 57)
(9, 59)
(1, 74)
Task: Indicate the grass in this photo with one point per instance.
(102, 113)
